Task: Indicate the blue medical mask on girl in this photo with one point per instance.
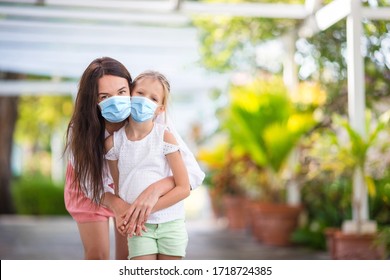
(116, 108)
(142, 108)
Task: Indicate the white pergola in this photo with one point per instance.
(59, 37)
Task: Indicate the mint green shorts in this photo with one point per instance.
(168, 238)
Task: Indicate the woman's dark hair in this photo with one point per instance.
(86, 129)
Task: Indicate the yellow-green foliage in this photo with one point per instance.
(38, 196)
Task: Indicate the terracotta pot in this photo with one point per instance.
(355, 247)
(330, 245)
(235, 212)
(250, 210)
(216, 203)
(255, 222)
(274, 223)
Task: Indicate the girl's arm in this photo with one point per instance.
(180, 175)
(195, 173)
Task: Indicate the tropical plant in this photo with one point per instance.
(347, 151)
(266, 125)
(223, 164)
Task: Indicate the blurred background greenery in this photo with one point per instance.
(37, 186)
(266, 138)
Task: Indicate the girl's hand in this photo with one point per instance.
(140, 229)
(131, 224)
(137, 231)
(138, 213)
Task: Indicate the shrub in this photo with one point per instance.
(38, 195)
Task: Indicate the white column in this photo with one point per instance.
(290, 69)
(57, 161)
(290, 78)
(356, 99)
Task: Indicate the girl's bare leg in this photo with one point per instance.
(146, 257)
(166, 257)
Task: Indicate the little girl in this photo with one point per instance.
(143, 152)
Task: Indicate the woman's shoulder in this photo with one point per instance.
(159, 126)
(118, 136)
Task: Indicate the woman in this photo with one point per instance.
(89, 194)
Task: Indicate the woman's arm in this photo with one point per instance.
(112, 162)
(118, 206)
(111, 200)
(115, 203)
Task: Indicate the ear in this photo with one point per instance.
(160, 110)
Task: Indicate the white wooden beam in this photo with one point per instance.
(312, 6)
(335, 11)
(321, 18)
(325, 16)
(332, 13)
(288, 11)
(381, 13)
(356, 87)
(70, 33)
(290, 69)
(158, 8)
(188, 85)
(82, 15)
(21, 87)
(356, 99)
(145, 6)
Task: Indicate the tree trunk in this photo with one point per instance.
(8, 116)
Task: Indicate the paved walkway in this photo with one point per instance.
(45, 238)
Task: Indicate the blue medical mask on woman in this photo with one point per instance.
(142, 108)
(116, 108)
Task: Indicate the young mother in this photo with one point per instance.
(102, 107)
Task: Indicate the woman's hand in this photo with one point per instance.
(138, 213)
(120, 211)
(119, 207)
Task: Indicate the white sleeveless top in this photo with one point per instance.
(142, 163)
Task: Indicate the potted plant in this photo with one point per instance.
(223, 164)
(264, 122)
(349, 152)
